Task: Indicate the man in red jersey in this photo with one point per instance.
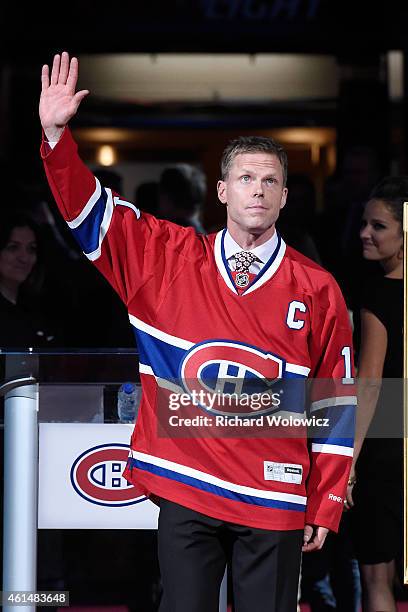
(238, 306)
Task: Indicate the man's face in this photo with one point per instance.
(254, 194)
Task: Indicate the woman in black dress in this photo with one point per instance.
(376, 480)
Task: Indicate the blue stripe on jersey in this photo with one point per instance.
(164, 358)
(87, 234)
(165, 361)
(293, 392)
(341, 424)
(215, 489)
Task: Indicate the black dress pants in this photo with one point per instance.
(193, 552)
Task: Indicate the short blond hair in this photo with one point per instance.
(253, 144)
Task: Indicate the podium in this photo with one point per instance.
(64, 453)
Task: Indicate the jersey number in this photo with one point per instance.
(346, 354)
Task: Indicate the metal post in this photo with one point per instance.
(20, 492)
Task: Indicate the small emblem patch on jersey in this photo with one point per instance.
(242, 279)
(283, 472)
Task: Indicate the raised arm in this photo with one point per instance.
(59, 102)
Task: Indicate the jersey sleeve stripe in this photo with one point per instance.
(336, 422)
(292, 368)
(333, 401)
(87, 208)
(87, 233)
(332, 449)
(145, 369)
(91, 232)
(163, 383)
(335, 441)
(118, 202)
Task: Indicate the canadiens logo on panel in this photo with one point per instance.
(96, 475)
(222, 376)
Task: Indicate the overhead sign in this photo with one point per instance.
(212, 25)
(80, 479)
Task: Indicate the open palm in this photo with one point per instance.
(59, 102)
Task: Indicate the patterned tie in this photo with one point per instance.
(243, 261)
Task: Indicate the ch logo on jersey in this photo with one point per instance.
(96, 475)
(224, 374)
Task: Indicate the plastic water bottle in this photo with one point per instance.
(128, 402)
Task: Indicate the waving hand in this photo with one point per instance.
(59, 102)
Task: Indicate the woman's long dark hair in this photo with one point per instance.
(31, 287)
(393, 191)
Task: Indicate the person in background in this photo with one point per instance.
(375, 485)
(182, 190)
(27, 321)
(345, 196)
(296, 221)
(147, 197)
(24, 321)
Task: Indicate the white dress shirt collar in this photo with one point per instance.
(263, 252)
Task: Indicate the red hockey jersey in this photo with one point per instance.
(197, 338)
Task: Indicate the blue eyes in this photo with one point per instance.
(247, 179)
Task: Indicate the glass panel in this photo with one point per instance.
(76, 386)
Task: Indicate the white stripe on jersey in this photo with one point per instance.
(106, 221)
(166, 384)
(346, 400)
(145, 369)
(87, 208)
(333, 449)
(160, 335)
(204, 477)
(118, 202)
(297, 369)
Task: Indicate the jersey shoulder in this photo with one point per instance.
(307, 271)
